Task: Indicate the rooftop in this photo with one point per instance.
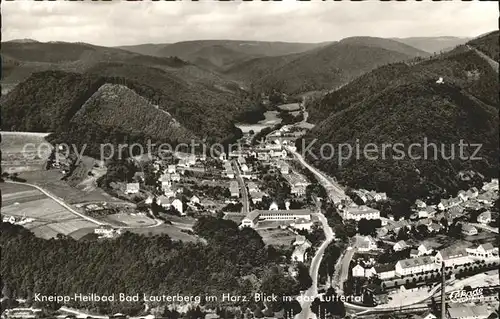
(416, 262)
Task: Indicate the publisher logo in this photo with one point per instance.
(462, 296)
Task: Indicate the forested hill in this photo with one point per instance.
(402, 103)
(134, 264)
(322, 68)
(488, 44)
(49, 102)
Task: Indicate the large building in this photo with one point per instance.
(452, 256)
(359, 212)
(275, 215)
(298, 183)
(415, 265)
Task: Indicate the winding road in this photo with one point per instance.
(335, 191)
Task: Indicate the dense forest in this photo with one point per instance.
(326, 67)
(137, 264)
(402, 103)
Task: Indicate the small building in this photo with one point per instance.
(365, 243)
(163, 201)
(300, 252)
(483, 251)
(252, 187)
(175, 177)
(139, 176)
(420, 204)
(370, 272)
(273, 206)
(400, 245)
(194, 199)
(415, 265)
(244, 168)
(414, 253)
(302, 224)
(256, 196)
(424, 249)
(171, 169)
(452, 256)
(177, 204)
(358, 271)
(104, 231)
(385, 271)
(469, 230)
(360, 212)
(484, 218)
(132, 188)
(234, 189)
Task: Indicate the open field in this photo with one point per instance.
(24, 151)
(130, 220)
(51, 181)
(277, 237)
(50, 217)
(289, 107)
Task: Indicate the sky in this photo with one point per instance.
(127, 23)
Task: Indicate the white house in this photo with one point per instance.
(163, 201)
(175, 177)
(400, 245)
(252, 187)
(194, 199)
(365, 243)
(132, 188)
(469, 230)
(171, 169)
(420, 204)
(484, 218)
(483, 251)
(370, 272)
(177, 204)
(149, 200)
(424, 249)
(104, 231)
(358, 271)
(273, 206)
(452, 256)
(385, 271)
(244, 168)
(302, 224)
(414, 265)
(360, 212)
(274, 215)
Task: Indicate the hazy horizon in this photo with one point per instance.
(133, 23)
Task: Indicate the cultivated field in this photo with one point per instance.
(24, 151)
(289, 107)
(50, 217)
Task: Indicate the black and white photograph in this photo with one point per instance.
(249, 159)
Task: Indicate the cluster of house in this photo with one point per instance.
(107, 231)
(369, 196)
(297, 218)
(423, 259)
(355, 212)
(254, 192)
(285, 136)
(15, 220)
(471, 199)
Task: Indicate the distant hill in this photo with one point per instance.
(221, 54)
(488, 44)
(27, 58)
(433, 44)
(322, 68)
(387, 44)
(402, 103)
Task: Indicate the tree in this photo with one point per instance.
(303, 277)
